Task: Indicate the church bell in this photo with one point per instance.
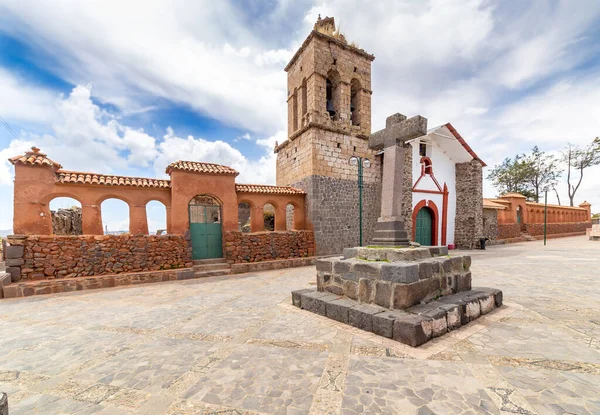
(330, 109)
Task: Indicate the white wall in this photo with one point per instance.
(444, 172)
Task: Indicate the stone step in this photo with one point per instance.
(216, 273)
(209, 261)
(212, 267)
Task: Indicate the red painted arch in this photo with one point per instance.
(434, 211)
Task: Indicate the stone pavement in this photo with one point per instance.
(236, 345)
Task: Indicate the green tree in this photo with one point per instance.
(543, 171)
(513, 176)
(578, 159)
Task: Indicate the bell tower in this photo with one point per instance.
(329, 121)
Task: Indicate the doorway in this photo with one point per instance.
(424, 227)
(206, 227)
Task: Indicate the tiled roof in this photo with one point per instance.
(76, 177)
(35, 158)
(266, 189)
(492, 205)
(515, 195)
(200, 167)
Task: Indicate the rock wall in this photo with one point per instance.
(407, 195)
(67, 221)
(490, 223)
(49, 256)
(557, 228)
(469, 204)
(266, 246)
(509, 230)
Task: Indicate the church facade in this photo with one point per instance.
(329, 123)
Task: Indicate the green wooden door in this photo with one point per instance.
(424, 227)
(205, 227)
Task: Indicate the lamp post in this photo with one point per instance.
(545, 213)
(361, 162)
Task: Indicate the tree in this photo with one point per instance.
(542, 171)
(512, 176)
(578, 159)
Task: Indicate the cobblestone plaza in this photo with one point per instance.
(236, 345)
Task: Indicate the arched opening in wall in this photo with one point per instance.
(156, 214)
(355, 104)
(295, 109)
(269, 217)
(115, 217)
(333, 94)
(66, 216)
(205, 227)
(289, 217)
(304, 97)
(244, 217)
(519, 215)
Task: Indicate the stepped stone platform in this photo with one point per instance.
(408, 294)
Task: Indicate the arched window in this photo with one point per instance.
(333, 94)
(295, 109)
(115, 217)
(156, 213)
(355, 101)
(269, 217)
(244, 217)
(304, 97)
(289, 217)
(66, 216)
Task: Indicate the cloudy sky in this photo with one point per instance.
(125, 87)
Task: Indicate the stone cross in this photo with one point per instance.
(398, 129)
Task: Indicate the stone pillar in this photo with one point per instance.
(91, 220)
(469, 204)
(138, 221)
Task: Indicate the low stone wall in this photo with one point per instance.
(267, 246)
(490, 223)
(557, 228)
(51, 256)
(509, 230)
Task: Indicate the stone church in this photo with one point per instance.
(329, 122)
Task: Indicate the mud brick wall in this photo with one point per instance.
(490, 223)
(557, 228)
(52, 256)
(509, 230)
(267, 246)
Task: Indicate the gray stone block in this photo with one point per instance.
(361, 316)
(496, 292)
(383, 294)
(15, 262)
(466, 262)
(426, 269)
(186, 274)
(445, 264)
(334, 289)
(315, 301)
(350, 289)
(434, 311)
(383, 323)
(342, 267)
(456, 263)
(367, 269)
(453, 315)
(14, 251)
(463, 281)
(324, 264)
(400, 273)
(338, 309)
(407, 295)
(413, 329)
(297, 296)
(350, 252)
(438, 250)
(365, 290)
(15, 273)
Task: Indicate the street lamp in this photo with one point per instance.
(361, 162)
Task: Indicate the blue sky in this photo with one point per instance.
(127, 87)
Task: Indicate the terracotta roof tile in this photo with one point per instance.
(35, 158)
(266, 189)
(492, 205)
(76, 177)
(515, 195)
(200, 167)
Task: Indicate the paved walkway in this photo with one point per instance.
(236, 345)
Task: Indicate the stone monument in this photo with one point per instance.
(390, 229)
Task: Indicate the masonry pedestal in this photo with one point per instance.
(390, 233)
(409, 294)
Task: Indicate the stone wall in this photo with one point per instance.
(509, 230)
(557, 228)
(490, 223)
(67, 221)
(407, 209)
(469, 204)
(266, 246)
(48, 257)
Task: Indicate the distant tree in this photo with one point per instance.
(543, 171)
(578, 159)
(513, 176)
